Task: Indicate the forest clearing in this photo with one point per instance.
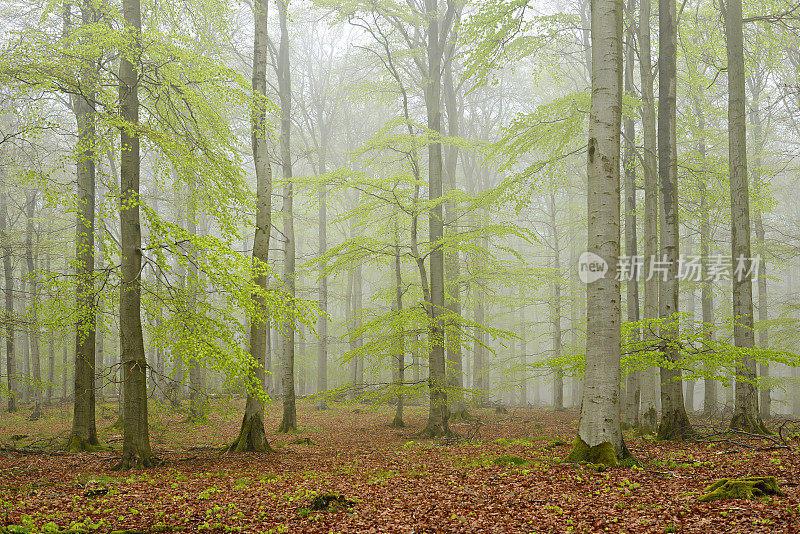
(509, 477)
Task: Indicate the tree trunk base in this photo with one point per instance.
(77, 443)
(649, 422)
(460, 413)
(397, 422)
(748, 423)
(287, 426)
(12, 406)
(321, 406)
(196, 419)
(252, 437)
(602, 454)
(675, 426)
(36, 414)
(436, 430)
(137, 460)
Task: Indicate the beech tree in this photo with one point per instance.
(674, 421)
(746, 415)
(252, 436)
(599, 437)
(136, 450)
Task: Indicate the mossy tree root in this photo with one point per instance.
(78, 443)
(136, 460)
(436, 431)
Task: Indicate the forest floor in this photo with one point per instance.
(509, 478)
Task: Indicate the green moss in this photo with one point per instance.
(602, 454)
(741, 488)
(510, 460)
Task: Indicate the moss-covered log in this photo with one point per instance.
(741, 488)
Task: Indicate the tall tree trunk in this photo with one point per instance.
(322, 322)
(599, 437)
(674, 421)
(252, 436)
(558, 373)
(437, 380)
(691, 308)
(452, 271)
(198, 405)
(51, 351)
(710, 401)
(648, 385)
(84, 431)
(765, 397)
(8, 318)
(632, 390)
(746, 416)
(26, 337)
(523, 359)
(289, 421)
(136, 450)
(400, 364)
(33, 329)
(64, 373)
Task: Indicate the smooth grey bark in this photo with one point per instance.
(630, 416)
(437, 380)
(252, 436)
(136, 450)
(83, 435)
(599, 438)
(289, 421)
(648, 385)
(8, 317)
(33, 303)
(674, 421)
(745, 413)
